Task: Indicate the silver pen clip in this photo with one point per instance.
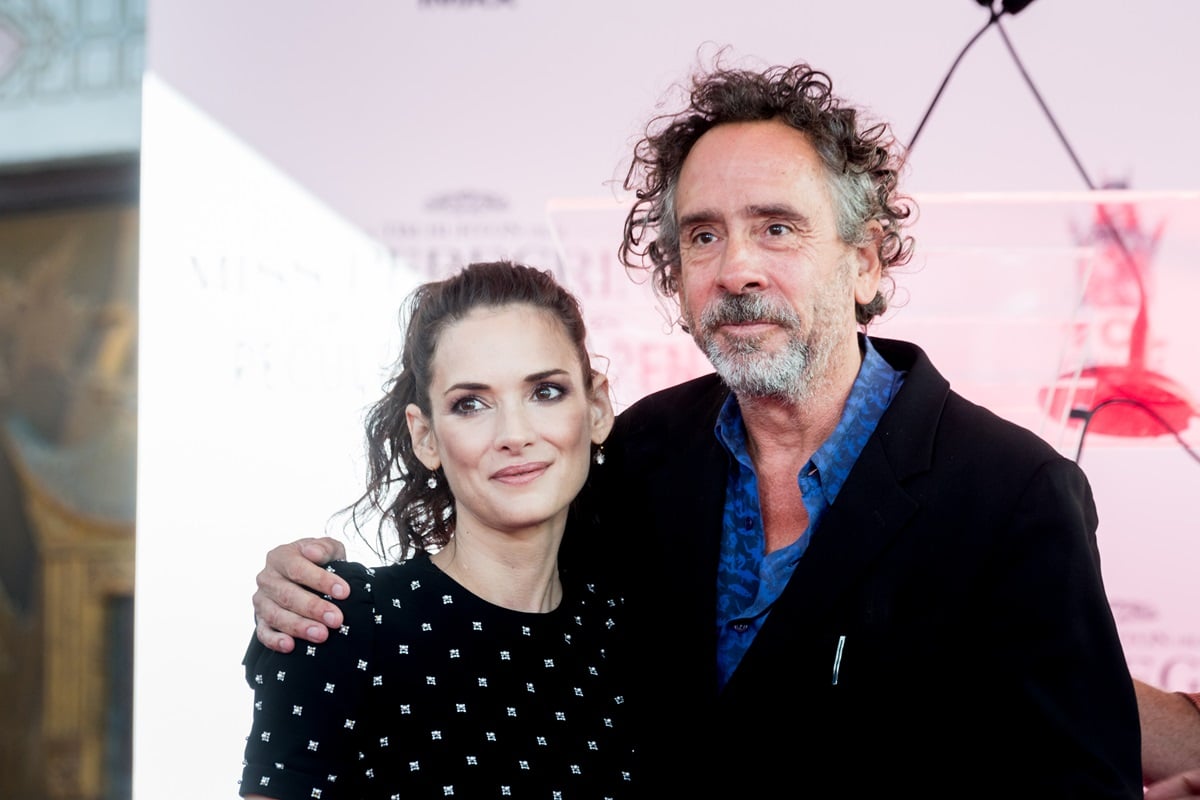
(837, 658)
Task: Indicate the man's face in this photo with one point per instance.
(767, 287)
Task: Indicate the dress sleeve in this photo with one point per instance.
(303, 742)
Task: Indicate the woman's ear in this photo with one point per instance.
(601, 408)
(868, 267)
(424, 440)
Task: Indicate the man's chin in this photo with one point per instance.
(747, 388)
(758, 373)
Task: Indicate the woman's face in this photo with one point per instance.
(511, 422)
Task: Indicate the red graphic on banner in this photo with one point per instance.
(1114, 392)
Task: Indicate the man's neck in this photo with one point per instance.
(785, 430)
(782, 434)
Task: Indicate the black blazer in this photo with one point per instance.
(959, 563)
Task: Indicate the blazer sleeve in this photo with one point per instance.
(1074, 701)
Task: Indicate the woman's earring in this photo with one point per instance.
(432, 481)
(598, 455)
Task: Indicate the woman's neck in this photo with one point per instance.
(519, 573)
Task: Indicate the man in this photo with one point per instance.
(852, 581)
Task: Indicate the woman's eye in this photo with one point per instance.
(548, 391)
(467, 405)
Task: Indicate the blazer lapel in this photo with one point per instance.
(685, 477)
(871, 509)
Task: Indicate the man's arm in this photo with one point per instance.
(284, 608)
(1170, 732)
(1076, 704)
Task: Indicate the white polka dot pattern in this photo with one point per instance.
(429, 691)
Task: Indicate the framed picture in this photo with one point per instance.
(68, 406)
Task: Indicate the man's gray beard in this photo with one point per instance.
(742, 364)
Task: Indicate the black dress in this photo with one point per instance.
(430, 691)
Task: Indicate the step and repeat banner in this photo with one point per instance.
(306, 164)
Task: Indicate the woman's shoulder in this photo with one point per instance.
(355, 570)
(367, 581)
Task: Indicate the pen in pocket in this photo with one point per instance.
(837, 658)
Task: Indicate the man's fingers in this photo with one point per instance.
(276, 626)
(1181, 786)
(284, 609)
(301, 562)
(323, 550)
(273, 639)
(289, 607)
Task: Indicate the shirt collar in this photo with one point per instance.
(873, 389)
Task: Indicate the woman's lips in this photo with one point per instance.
(520, 473)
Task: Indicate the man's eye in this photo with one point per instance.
(777, 229)
(703, 237)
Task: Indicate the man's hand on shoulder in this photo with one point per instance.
(283, 608)
(1180, 786)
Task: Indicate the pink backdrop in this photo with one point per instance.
(326, 156)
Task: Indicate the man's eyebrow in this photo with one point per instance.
(775, 210)
(698, 218)
(750, 212)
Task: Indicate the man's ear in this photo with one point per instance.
(601, 408)
(424, 440)
(868, 267)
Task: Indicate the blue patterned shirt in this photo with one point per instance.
(749, 582)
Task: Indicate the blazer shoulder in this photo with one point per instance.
(929, 422)
(684, 406)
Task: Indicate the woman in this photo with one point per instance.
(474, 666)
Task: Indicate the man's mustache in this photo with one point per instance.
(741, 308)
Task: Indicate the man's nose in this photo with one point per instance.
(742, 267)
